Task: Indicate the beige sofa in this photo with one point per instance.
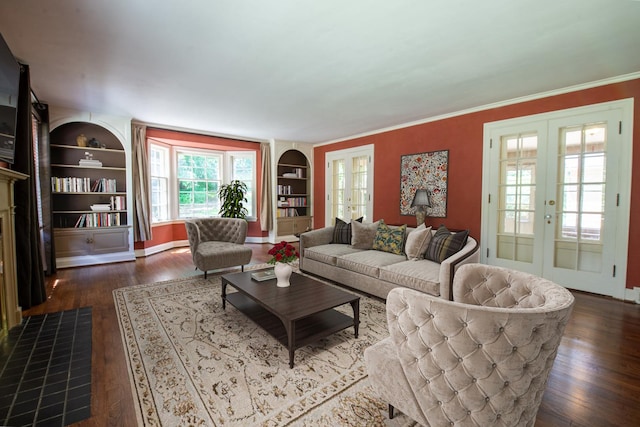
(218, 243)
(482, 359)
(376, 272)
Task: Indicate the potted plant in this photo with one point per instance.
(232, 196)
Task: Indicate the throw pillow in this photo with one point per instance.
(389, 239)
(362, 235)
(443, 244)
(342, 231)
(417, 242)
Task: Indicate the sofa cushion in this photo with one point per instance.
(328, 253)
(443, 244)
(422, 275)
(417, 242)
(362, 235)
(368, 262)
(389, 239)
(342, 231)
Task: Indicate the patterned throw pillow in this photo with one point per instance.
(342, 231)
(389, 239)
(362, 235)
(417, 242)
(443, 244)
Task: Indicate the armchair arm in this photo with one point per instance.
(470, 253)
(193, 234)
(321, 236)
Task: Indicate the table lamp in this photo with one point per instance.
(421, 203)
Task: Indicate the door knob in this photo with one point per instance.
(547, 216)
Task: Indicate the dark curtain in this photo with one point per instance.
(44, 161)
(31, 288)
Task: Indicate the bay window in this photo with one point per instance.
(185, 181)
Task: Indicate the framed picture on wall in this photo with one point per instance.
(424, 171)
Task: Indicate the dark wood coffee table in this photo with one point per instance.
(297, 315)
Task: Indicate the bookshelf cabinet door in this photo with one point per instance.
(72, 242)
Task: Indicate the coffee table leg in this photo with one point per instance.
(224, 294)
(355, 305)
(291, 335)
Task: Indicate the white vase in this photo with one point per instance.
(283, 273)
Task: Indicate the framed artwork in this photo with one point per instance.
(429, 171)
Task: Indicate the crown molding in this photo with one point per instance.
(568, 89)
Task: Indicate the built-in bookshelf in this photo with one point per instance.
(293, 211)
(88, 190)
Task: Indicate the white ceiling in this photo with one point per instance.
(312, 71)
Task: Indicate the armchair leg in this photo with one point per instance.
(242, 267)
(205, 274)
(391, 408)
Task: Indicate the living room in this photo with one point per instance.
(458, 128)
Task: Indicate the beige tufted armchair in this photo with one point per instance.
(218, 243)
(482, 359)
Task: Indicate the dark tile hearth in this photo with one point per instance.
(45, 370)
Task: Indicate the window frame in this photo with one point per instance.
(167, 177)
(226, 176)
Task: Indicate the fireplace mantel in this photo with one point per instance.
(10, 309)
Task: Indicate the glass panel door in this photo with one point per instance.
(517, 190)
(556, 205)
(581, 216)
(580, 210)
(338, 179)
(349, 184)
(359, 188)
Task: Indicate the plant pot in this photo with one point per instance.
(283, 273)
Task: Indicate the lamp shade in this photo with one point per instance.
(421, 198)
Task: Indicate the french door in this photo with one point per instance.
(349, 184)
(557, 192)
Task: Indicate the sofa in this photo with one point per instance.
(346, 255)
(218, 243)
(482, 359)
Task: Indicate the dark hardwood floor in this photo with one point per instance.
(595, 379)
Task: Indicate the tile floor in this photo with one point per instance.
(45, 370)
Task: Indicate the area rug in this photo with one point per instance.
(193, 363)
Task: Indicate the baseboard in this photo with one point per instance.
(79, 261)
(161, 248)
(632, 294)
(139, 253)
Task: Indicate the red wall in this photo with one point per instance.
(170, 232)
(463, 137)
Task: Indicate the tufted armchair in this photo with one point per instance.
(482, 359)
(218, 243)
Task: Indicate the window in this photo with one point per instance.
(185, 181)
(159, 170)
(199, 177)
(243, 169)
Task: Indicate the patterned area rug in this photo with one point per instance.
(192, 363)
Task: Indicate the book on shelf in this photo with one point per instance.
(118, 203)
(102, 219)
(286, 212)
(73, 184)
(284, 189)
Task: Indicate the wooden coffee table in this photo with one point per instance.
(297, 315)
